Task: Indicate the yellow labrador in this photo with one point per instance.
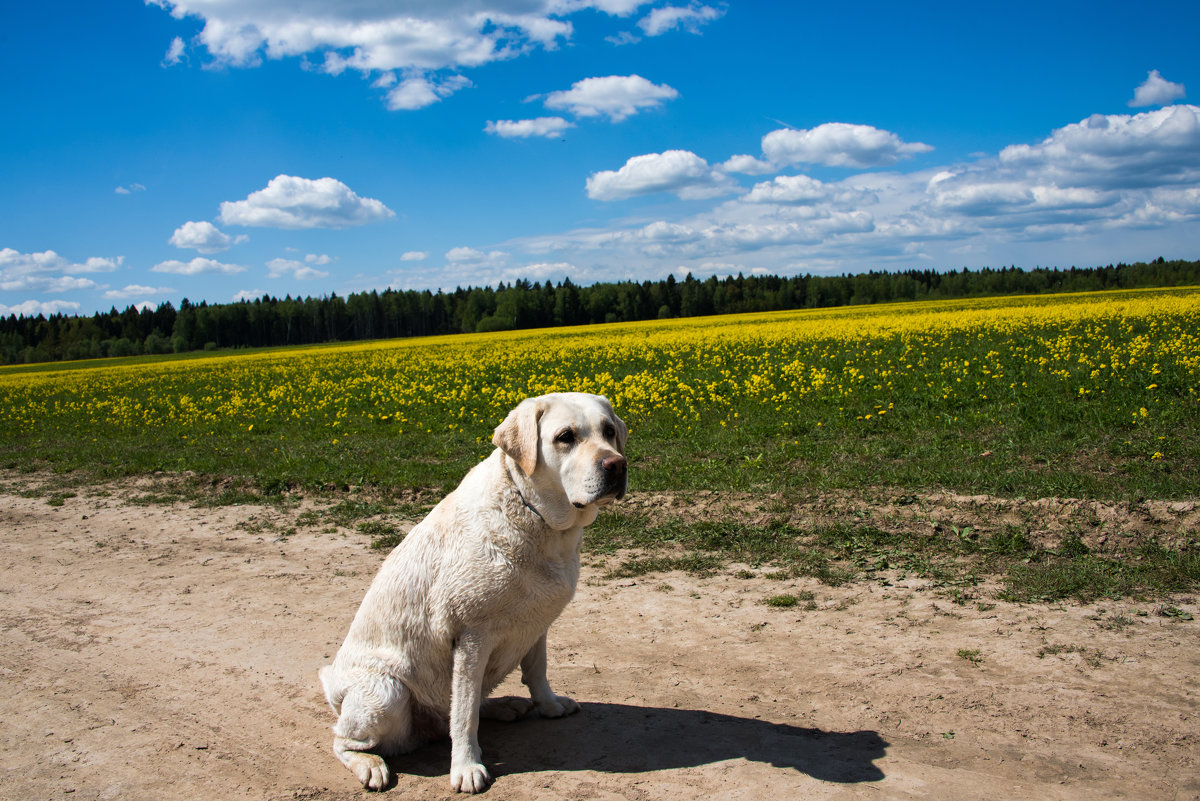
(471, 591)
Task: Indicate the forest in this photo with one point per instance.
(269, 321)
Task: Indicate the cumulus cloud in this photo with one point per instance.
(204, 237)
(197, 266)
(318, 259)
(789, 189)
(295, 203)
(49, 272)
(1106, 188)
(612, 96)
(247, 295)
(668, 18)
(289, 268)
(422, 40)
(136, 290)
(1156, 91)
(414, 255)
(839, 144)
(466, 255)
(32, 308)
(523, 129)
(747, 165)
(1117, 150)
(129, 190)
(679, 171)
(419, 91)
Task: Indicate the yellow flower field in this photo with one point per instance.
(1121, 360)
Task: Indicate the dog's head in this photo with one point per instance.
(569, 443)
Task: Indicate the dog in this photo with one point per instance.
(471, 592)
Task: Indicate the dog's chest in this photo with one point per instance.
(527, 588)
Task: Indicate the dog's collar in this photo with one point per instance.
(517, 489)
(529, 505)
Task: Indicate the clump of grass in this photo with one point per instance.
(782, 601)
(972, 655)
(1152, 571)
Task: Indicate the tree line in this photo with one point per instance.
(269, 321)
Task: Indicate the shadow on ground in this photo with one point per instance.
(616, 738)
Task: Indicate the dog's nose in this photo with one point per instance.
(614, 464)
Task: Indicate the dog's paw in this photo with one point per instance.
(371, 770)
(506, 708)
(471, 777)
(560, 706)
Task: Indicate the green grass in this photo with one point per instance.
(1083, 402)
(838, 553)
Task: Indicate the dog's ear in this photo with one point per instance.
(517, 436)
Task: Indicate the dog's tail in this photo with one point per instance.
(334, 691)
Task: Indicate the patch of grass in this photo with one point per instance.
(1091, 656)
(782, 601)
(696, 564)
(1175, 612)
(1151, 571)
(972, 655)
(59, 498)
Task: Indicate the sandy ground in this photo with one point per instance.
(170, 652)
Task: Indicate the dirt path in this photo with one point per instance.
(170, 652)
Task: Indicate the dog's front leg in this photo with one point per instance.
(533, 676)
(467, 773)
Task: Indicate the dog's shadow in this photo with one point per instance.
(616, 738)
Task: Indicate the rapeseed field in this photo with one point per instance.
(1090, 394)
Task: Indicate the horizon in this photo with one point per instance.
(174, 149)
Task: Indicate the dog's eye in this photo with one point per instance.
(609, 431)
(566, 437)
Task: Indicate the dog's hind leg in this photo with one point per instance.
(375, 719)
(533, 676)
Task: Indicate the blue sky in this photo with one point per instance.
(215, 150)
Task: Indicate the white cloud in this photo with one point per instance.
(32, 308)
(612, 96)
(174, 53)
(136, 290)
(789, 189)
(49, 272)
(747, 165)
(204, 237)
(668, 18)
(466, 255)
(197, 266)
(1117, 150)
(129, 190)
(318, 258)
(521, 129)
(1156, 91)
(1107, 188)
(839, 144)
(679, 171)
(419, 91)
(414, 255)
(623, 38)
(294, 203)
(288, 268)
(248, 295)
(484, 273)
(373, 37)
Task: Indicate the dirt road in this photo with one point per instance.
(170, 652)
